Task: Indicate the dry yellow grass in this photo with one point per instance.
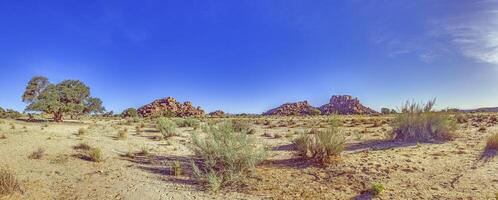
(492, 142)
(429, 170)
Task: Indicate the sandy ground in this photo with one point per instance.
(458, 169)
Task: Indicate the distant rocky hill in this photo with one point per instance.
(345, 105)
(169, 107)
(490, 109)
(298, 108)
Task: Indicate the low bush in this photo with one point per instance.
(321, 145)
(225, 157)
(129, 113)
(419, 123)
(166, 126)
(461, 119)
(189, 122)
(241, 126)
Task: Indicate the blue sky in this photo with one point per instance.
(249, 56)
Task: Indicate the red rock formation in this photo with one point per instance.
(217, 113)
(345, 105)
(299, 108)
(169, 107)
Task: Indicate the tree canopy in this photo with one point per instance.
(129, 112)
(67, 97)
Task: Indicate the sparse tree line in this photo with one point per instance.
(72, 98)
(9, 113)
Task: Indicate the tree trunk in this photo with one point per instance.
(58, 117)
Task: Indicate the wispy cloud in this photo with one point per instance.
(475, 34)
(470, 31)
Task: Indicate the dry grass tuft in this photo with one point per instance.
(122, 134)
(461, 119)
(95, 154)
(38, 154)
(419, 123)
(492, 142)
(321, 146)
(177, 168)
(81, 131)
(8, 183)
(82, 146)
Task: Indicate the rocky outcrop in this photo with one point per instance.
(299, 108)
(345, 105)
(217, 113)
(169, 107)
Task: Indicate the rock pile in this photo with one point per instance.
(299, 108)
(217, 113)
(345, 105)
(169, 107)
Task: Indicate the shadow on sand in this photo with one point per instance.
(376, 145)
(487, 155)
(363, 196)
(163, 165)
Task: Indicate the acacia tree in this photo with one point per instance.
(67, 97)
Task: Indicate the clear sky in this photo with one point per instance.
(251, 55)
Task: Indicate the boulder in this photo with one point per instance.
(345, 105)
(169, 107)
(298, 108)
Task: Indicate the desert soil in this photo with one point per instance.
(458, 169)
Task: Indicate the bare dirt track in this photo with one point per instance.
(458, 169)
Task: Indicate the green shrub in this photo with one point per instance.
(225, 156)
(385, 111)
(315, 111)
(321, 145)
(189, 122)
(419, 123)
(9, 113)
(129, 112)
(241, 126)
(8, 183)
(166, 126)
(377, 188)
